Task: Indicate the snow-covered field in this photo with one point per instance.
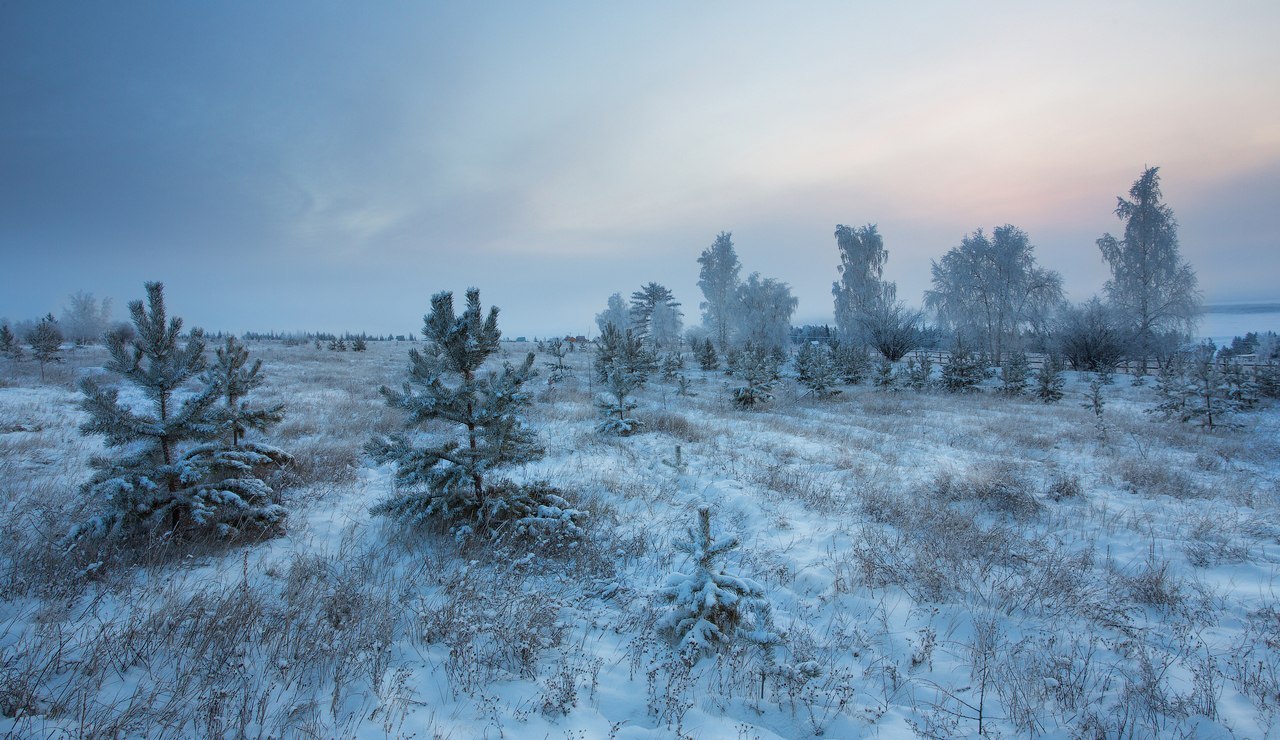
(937, 565)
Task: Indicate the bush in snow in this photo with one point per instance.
(710, 607)
(445, 482)
(161, 479)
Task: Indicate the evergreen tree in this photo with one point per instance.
(45, 340)
(964, 370)
(919, 372)
(162, 477)
(234, 465)
(1096, 403)
(672, 363)
(705, 352)
(447, 482)
(9, 346)
(758, 369)
(816, 369)
(359, 344)
(1049, 380)
(1198, 387)
(852, 361)
(626, 350)
(710, 607)
(655, 314)
(1014, 374)
(884, 377)
(558, 369)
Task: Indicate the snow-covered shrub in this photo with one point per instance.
(996, 486)
(1198, 386)
(884, 376)
(710, 607)
(536, 514)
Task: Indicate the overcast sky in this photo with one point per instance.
(322, 165)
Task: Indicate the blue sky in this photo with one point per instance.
(324, 165)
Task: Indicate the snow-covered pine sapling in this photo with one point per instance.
(672, 363)
(757, 368)
(151, 483)
(684, 387)
(964, 370)
(705, 352)
(45, 339)
(1096, 403)
(616, 404)
(919, 372)
(1049, 380)
(557, 369)
(816, 369)
(359, 344)
(1196, 387)
(1014, 374)
(9, 346)
(449, 482)
(709, 607)
(884, 377)
(235, 465)
(852, 361)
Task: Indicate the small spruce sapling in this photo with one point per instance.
(45, 339)
(853, 364)
(757, 368)
(816, 370)
(9, 345)
(359, 344)
(622, 364)
(709, 608)
(1014, 374)
(919, 372)
(964, 371)
(705, 352)
(884, 377)
(1096, 403)
(1049, 380)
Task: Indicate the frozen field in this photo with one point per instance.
(937, 565)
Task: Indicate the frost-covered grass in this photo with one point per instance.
(937, 565)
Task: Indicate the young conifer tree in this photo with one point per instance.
(9, 345)
(234, 465)
(151, 483)
(45, 339)
(710, 607)
(448, 481)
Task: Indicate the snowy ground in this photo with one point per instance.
(938, 565)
